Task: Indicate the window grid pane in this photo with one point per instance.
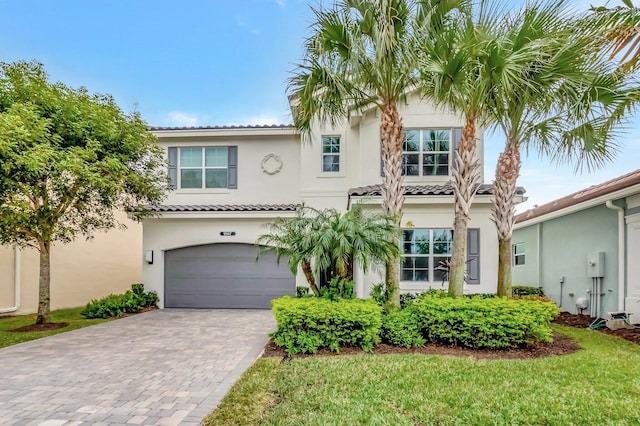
(331, 153)
(203, 167)
(426, 254)
(434, 145)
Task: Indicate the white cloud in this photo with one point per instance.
(183, 119)
(242, 23)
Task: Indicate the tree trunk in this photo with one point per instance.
(503, 214)
(308, 273)
(504, 268)
(391, 140)
(44, 302)
(466, 179)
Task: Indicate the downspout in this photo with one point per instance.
(16, 283)
(539, 231)
(621, 253)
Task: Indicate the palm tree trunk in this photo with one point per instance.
(391, 140)
(308, 273)
(466, 179)
(44, 301)
(504, 188)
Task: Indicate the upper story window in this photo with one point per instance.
(203, 167)
(518, 254)
(426, 152)
(331, 153)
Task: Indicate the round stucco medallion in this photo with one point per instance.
(271, 164)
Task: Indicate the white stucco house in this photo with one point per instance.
(231, 180)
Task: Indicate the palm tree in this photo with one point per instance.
(564, 104)
(358, 56)
(326, 240)
(458, 71)
(622, 32)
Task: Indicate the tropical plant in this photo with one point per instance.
(621, 34)
(327, 240)
(359, 56)
(457, 68)
(563, 101)
(68, 161)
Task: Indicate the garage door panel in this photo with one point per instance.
(224, 276)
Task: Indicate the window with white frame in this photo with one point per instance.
(517, 254)
(203, 167)
(331, 153)
(426, 152)
(426, 254)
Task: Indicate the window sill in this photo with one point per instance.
(202, 191)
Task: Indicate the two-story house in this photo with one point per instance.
(231, 180)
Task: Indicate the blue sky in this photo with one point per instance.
(215, 62)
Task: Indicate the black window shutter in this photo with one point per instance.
(172, 169)
(473, 256)
(233, 167)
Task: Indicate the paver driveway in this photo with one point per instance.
(166, 367)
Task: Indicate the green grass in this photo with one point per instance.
(597, 385)
(72, 316)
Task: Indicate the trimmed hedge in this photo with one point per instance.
(524, 290)
(493, 323)
(115, 305)
(307, 324)
(401, 328)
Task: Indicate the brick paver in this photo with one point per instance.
(166, 367)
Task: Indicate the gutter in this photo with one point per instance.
(16, 283)
(621, 252)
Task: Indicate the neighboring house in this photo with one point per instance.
(80, 271)
(231, 180)
(584, 244)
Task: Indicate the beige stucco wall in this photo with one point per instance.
(255, 186)
(80, 271)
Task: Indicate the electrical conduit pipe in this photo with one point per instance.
(16, 283)
(621, 253)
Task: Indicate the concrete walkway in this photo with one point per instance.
(166, 367)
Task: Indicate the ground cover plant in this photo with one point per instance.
(115, 305)
(582, 388)
(71, 317)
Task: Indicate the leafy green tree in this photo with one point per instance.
(68, 160)
(360, 55)
(326, 240)
(565, 104)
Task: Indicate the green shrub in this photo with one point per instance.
(523, 290)
(338, 289)
(115, 305)
(302, 291)
(493, 323)
(307, 324)
(401, 328)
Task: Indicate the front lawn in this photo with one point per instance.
(71, 316)
(597, 385)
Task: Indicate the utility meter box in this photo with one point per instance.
(595, 265)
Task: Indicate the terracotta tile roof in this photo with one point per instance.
(446, 189)
(225, 208)
(266, 126)
(595, 191)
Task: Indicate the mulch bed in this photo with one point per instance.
(561, 345)
(48, 326)
(583, 321)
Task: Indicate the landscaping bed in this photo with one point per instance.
(583, 321)
(561, 345)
